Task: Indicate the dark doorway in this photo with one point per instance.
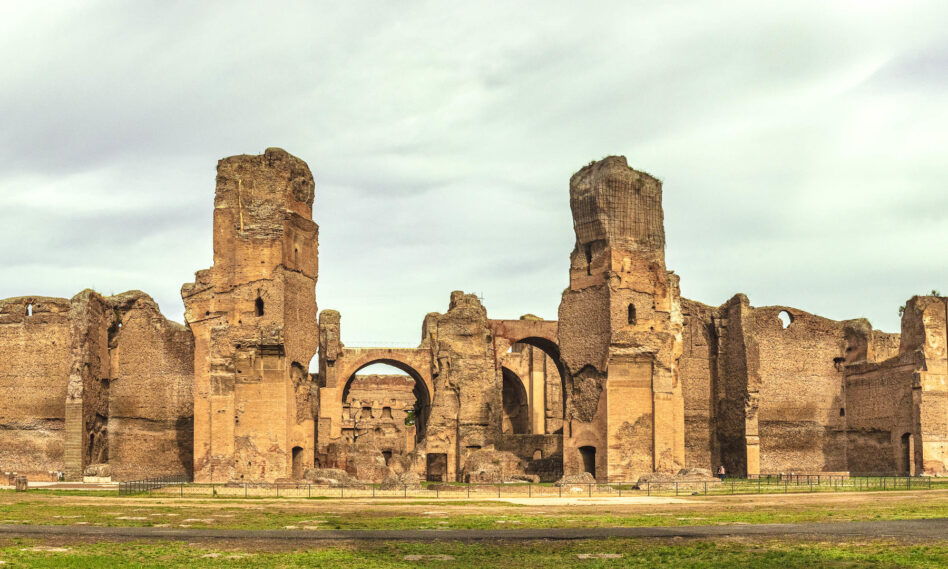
(437, 467)
(589, 459)
(297, 463)
(907, 454)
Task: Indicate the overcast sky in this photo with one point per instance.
(802, 146)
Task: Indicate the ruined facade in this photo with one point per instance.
(632, 378)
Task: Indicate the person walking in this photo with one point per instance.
(721, 472)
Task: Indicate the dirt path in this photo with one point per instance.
(913, 530)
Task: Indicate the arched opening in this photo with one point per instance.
(516, 407)
(536, 361)
(258, 306)
(907, 452)
(386, 401)
(632, 318)
(297, 463)
(588, 454)
(786, 319)
(538, 455)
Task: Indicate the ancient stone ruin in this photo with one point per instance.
(632, 378)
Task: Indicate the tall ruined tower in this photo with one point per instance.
(620, 329)
(253, 316)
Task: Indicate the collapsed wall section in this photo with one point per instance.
(698, 381)
(466, 408)
(151, 406)
(801, 405)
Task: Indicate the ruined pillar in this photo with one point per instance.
(466, 404)
(620, 329)
(925, 331)
(536, 389)
(329, 421)
(253, 316)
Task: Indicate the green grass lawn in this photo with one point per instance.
(320, 514)
(548, 555)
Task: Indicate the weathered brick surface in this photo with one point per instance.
(632, 378)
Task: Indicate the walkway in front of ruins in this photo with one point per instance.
(914, 530)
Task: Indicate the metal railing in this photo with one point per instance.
(178, 486)
(149, 484)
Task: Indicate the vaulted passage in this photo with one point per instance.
(516, 418)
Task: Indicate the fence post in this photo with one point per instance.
(561, 492)
(437, 492)
(309, 490)
(405, 489)
(468, 490)
(758, 484)
(590, 490)
(530, 491)
(648, 488)
(676, 488)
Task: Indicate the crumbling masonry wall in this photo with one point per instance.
(620, 329)
(151, 403)
(35, 361)
(60, 366)
(254, 321)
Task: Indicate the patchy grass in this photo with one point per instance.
(769, 554)
(30, 508)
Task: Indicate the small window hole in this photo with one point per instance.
(258, 305)
(786, 319)
(632, 318)
(842, 412)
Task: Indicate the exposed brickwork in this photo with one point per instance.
(631, 379)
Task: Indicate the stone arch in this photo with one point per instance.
(423, 389)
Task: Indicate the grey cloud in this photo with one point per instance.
(800, 145)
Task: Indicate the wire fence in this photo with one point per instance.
(729, 486)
